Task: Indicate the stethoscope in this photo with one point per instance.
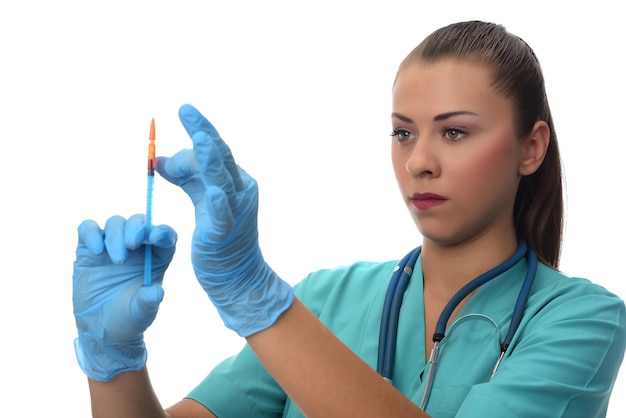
(393, 301)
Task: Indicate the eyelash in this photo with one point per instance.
(396, 133)
(459, 131)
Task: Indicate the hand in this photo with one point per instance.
(111, 307)
(225, 252)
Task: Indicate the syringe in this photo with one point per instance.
(151, 167)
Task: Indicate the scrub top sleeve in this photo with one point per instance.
(240, 387)
(314, 289)
(564, 364)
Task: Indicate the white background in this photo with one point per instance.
(301, 92)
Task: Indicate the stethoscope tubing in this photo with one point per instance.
(391, 312)
(395, 293)
(444, 318)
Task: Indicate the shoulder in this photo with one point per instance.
(358, 281)
(555, 288)
(571, 339)
(574, 309)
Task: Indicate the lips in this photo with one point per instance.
(427, 200)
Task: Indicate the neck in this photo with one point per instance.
(447, 268)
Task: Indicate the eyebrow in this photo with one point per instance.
(440, 117)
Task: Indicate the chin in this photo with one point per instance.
(442, 237)
(436, 233)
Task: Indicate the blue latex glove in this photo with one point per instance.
(112, 308)
(225, 252)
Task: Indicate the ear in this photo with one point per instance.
(535, 148)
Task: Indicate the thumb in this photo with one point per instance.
(181, 170)
(145, 305)
(178, 168)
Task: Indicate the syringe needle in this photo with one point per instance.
(151, 168)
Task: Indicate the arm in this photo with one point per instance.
(128, 394)
(292, 350)
(316, 370)
(112, 310)
(311, 364)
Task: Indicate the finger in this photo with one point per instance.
(163, 239)
(219, 220)
(90, 234)
(181, 170)
(114, 239)
(162, 236)
(145, 305)
(210, 163)
(193, 122)
(211, 168)
(135, 231)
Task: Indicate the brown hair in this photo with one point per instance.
(538, 211)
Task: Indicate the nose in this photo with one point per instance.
(423, 160)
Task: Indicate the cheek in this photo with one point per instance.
(398, 162)
(499, 157)
(493, 164)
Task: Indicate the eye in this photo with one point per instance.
(402, 135)
(453, 134)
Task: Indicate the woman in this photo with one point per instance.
(475, 155)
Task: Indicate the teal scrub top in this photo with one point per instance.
(563, 360)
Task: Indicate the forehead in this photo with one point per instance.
(446, 85)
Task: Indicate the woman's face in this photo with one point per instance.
(454, 151)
